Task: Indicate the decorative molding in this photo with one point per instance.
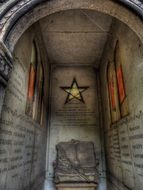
(3, 1)
(5, 64)
(11, 10)
(8, 11)
(135, 5)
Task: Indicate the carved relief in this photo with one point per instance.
(75, 162)
(11, 11)
(4, 67)
(5, 63)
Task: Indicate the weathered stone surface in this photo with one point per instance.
(129, 155)
(22, 140)
(74, 119)
(128, 129)
(16, 8)
(68, 32)
(78, 186)
(76, 162)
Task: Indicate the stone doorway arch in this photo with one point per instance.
(17, 16)
(25, 13)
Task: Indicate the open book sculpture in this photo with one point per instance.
(75, 162)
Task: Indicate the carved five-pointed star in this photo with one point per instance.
(74, 91)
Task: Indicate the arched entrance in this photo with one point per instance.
(22, 49)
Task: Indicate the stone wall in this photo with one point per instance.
(74, 119)
(22, 140)
(123, 139)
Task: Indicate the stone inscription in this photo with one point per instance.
(75, 115)
(113, 156)
(73, 119)
(21, 139)
(130, 149)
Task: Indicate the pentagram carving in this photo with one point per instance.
(74, 91)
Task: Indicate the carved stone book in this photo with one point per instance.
(75, 162)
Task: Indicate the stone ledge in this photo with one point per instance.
(77, 186)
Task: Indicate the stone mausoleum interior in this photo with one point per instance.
(72, 109)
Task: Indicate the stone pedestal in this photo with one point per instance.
(76, 186)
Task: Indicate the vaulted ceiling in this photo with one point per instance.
(75, 36)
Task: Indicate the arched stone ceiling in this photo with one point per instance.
(17, 15)
(15, 10)
(75, 36)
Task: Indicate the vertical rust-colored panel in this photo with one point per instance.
(113, 93)
(120, 79)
